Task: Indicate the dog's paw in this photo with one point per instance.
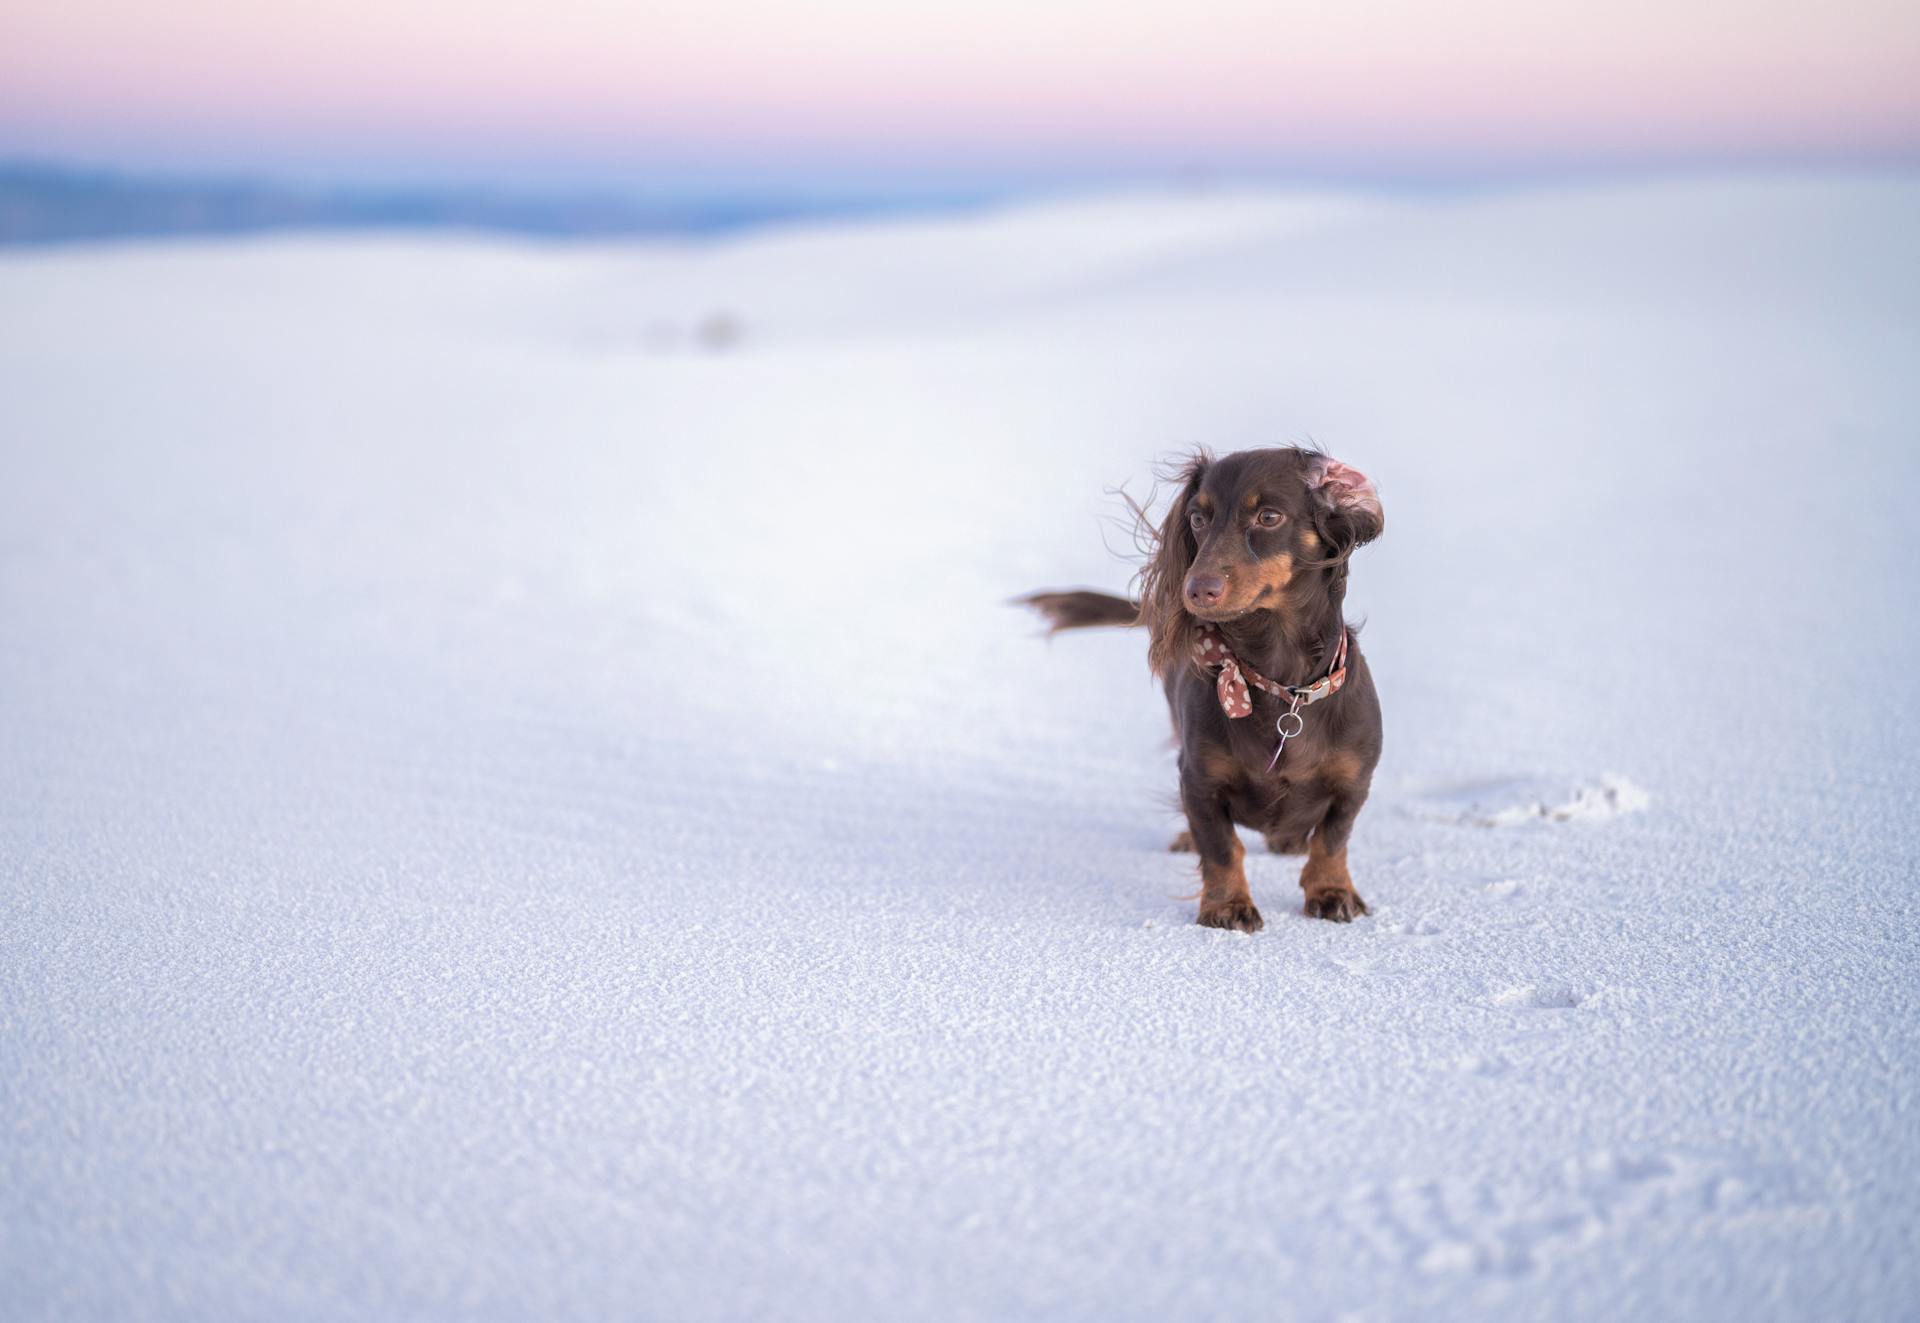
(1340, 906)
(1239, 915)
(1182, 844)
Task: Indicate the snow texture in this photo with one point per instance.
(522, 797)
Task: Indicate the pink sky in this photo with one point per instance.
(585, 84)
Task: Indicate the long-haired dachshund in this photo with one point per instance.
(1273, 707)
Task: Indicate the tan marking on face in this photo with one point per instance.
(1273, 574)
(1310, 540)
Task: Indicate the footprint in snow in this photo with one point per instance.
(1520, 801)
(1548, 996)
(1515, 1228)
(1415, 930)
(1486, 1067)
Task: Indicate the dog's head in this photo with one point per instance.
(1262, 530)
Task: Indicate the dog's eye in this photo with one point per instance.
(1270, 518)
(1198, 519)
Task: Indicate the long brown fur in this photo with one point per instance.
(1170, 630)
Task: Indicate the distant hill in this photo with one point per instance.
(50, 204)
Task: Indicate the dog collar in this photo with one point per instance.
(1236, 698)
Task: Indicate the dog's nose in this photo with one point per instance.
(1205, 589)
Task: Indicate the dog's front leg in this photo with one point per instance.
(1225, 901)
(1325, 879)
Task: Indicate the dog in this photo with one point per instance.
(1274, 709)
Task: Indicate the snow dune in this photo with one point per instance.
(521, 797)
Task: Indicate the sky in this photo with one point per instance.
(610, 89)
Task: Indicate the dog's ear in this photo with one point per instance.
(1346, 506)
(1163, 580)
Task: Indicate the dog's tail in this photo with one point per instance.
(1081, 609)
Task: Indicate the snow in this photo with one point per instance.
(516, 805)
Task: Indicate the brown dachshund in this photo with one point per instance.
(1273, 706)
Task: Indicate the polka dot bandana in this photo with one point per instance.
(1232, 685)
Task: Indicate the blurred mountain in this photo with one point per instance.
(51, 203)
